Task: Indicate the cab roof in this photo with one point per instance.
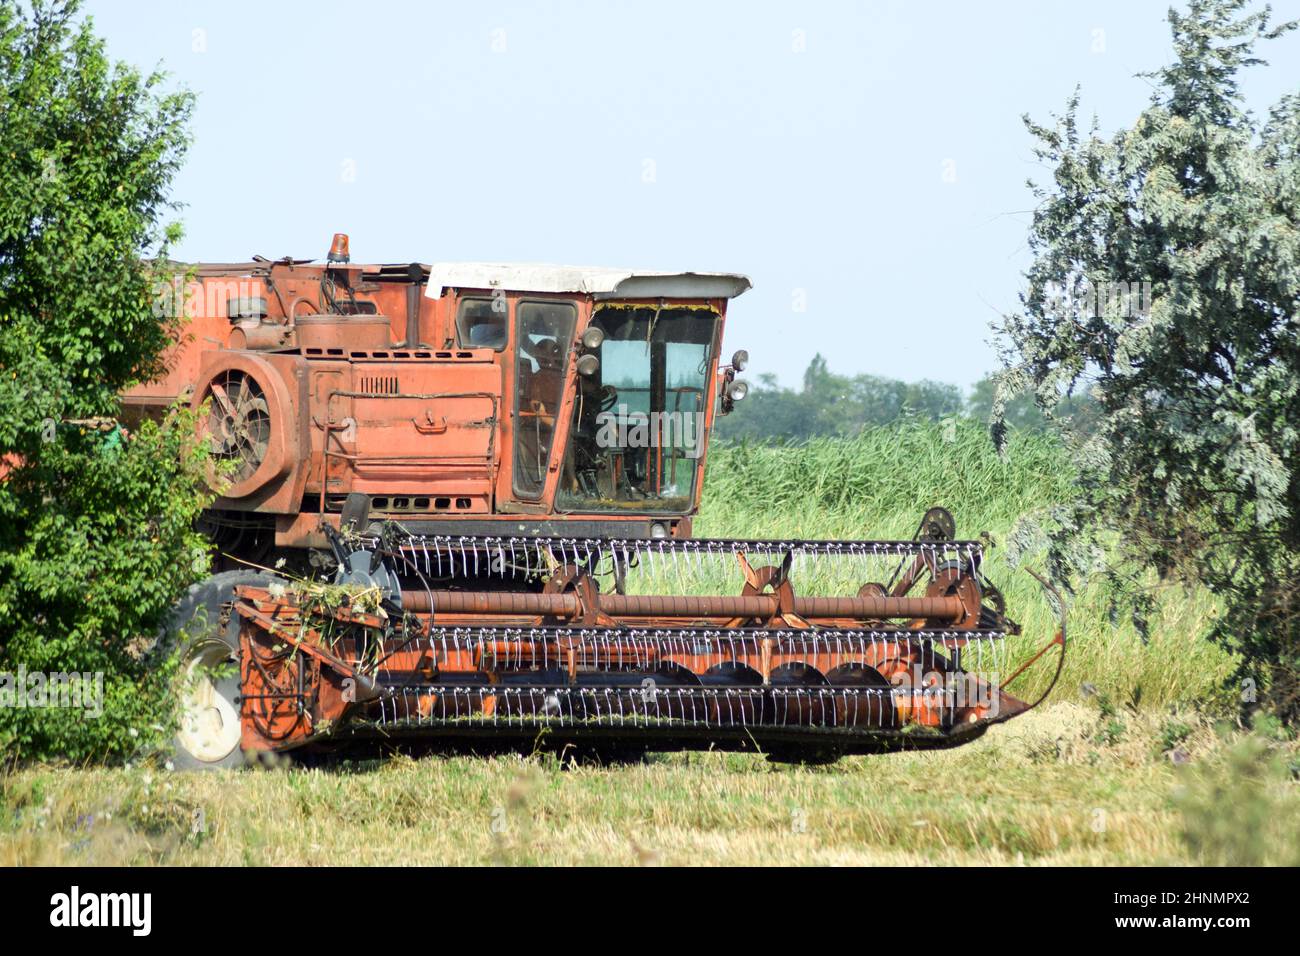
(601, 283)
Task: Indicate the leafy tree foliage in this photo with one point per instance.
(96, 524)
(830, 404)
(1021, 411)
(1191, 465)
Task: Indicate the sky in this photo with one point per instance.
(865, 164)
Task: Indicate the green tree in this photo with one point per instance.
(96, 525)
(1022, 411)
(830, 404)
(1191, 465)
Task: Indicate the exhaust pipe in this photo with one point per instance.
(415, 272)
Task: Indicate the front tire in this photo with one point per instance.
(208, 732)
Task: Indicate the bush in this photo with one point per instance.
(96, 525)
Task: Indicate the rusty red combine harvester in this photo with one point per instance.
(496, 468)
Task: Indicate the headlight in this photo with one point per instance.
(588, 366)
(593, 338)
(740, 360)
(737, 390)
(658, 531)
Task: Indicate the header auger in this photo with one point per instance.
(496, 468)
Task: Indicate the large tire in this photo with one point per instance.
(208, 737)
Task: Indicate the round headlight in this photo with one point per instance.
(657, 530)
(737, 390)
(740, 360)
(588, 366)
(593, 338)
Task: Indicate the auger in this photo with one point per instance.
(455, 510)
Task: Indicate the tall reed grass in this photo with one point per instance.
(879, 483)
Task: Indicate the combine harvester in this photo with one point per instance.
(496, 467)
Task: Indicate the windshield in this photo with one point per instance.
(638, 423)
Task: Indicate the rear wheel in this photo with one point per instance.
(208, 734)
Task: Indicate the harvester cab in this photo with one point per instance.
(457, 398)
(478, 483)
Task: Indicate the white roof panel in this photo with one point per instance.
(599, 282)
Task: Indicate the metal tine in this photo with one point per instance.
(673, 555)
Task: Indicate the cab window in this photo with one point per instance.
(544, 335)
(481, 323)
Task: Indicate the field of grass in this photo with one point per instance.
(1064, 785)
(1134, 760)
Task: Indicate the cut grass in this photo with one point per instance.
(1041, 790)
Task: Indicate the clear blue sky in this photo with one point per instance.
(863, 161)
